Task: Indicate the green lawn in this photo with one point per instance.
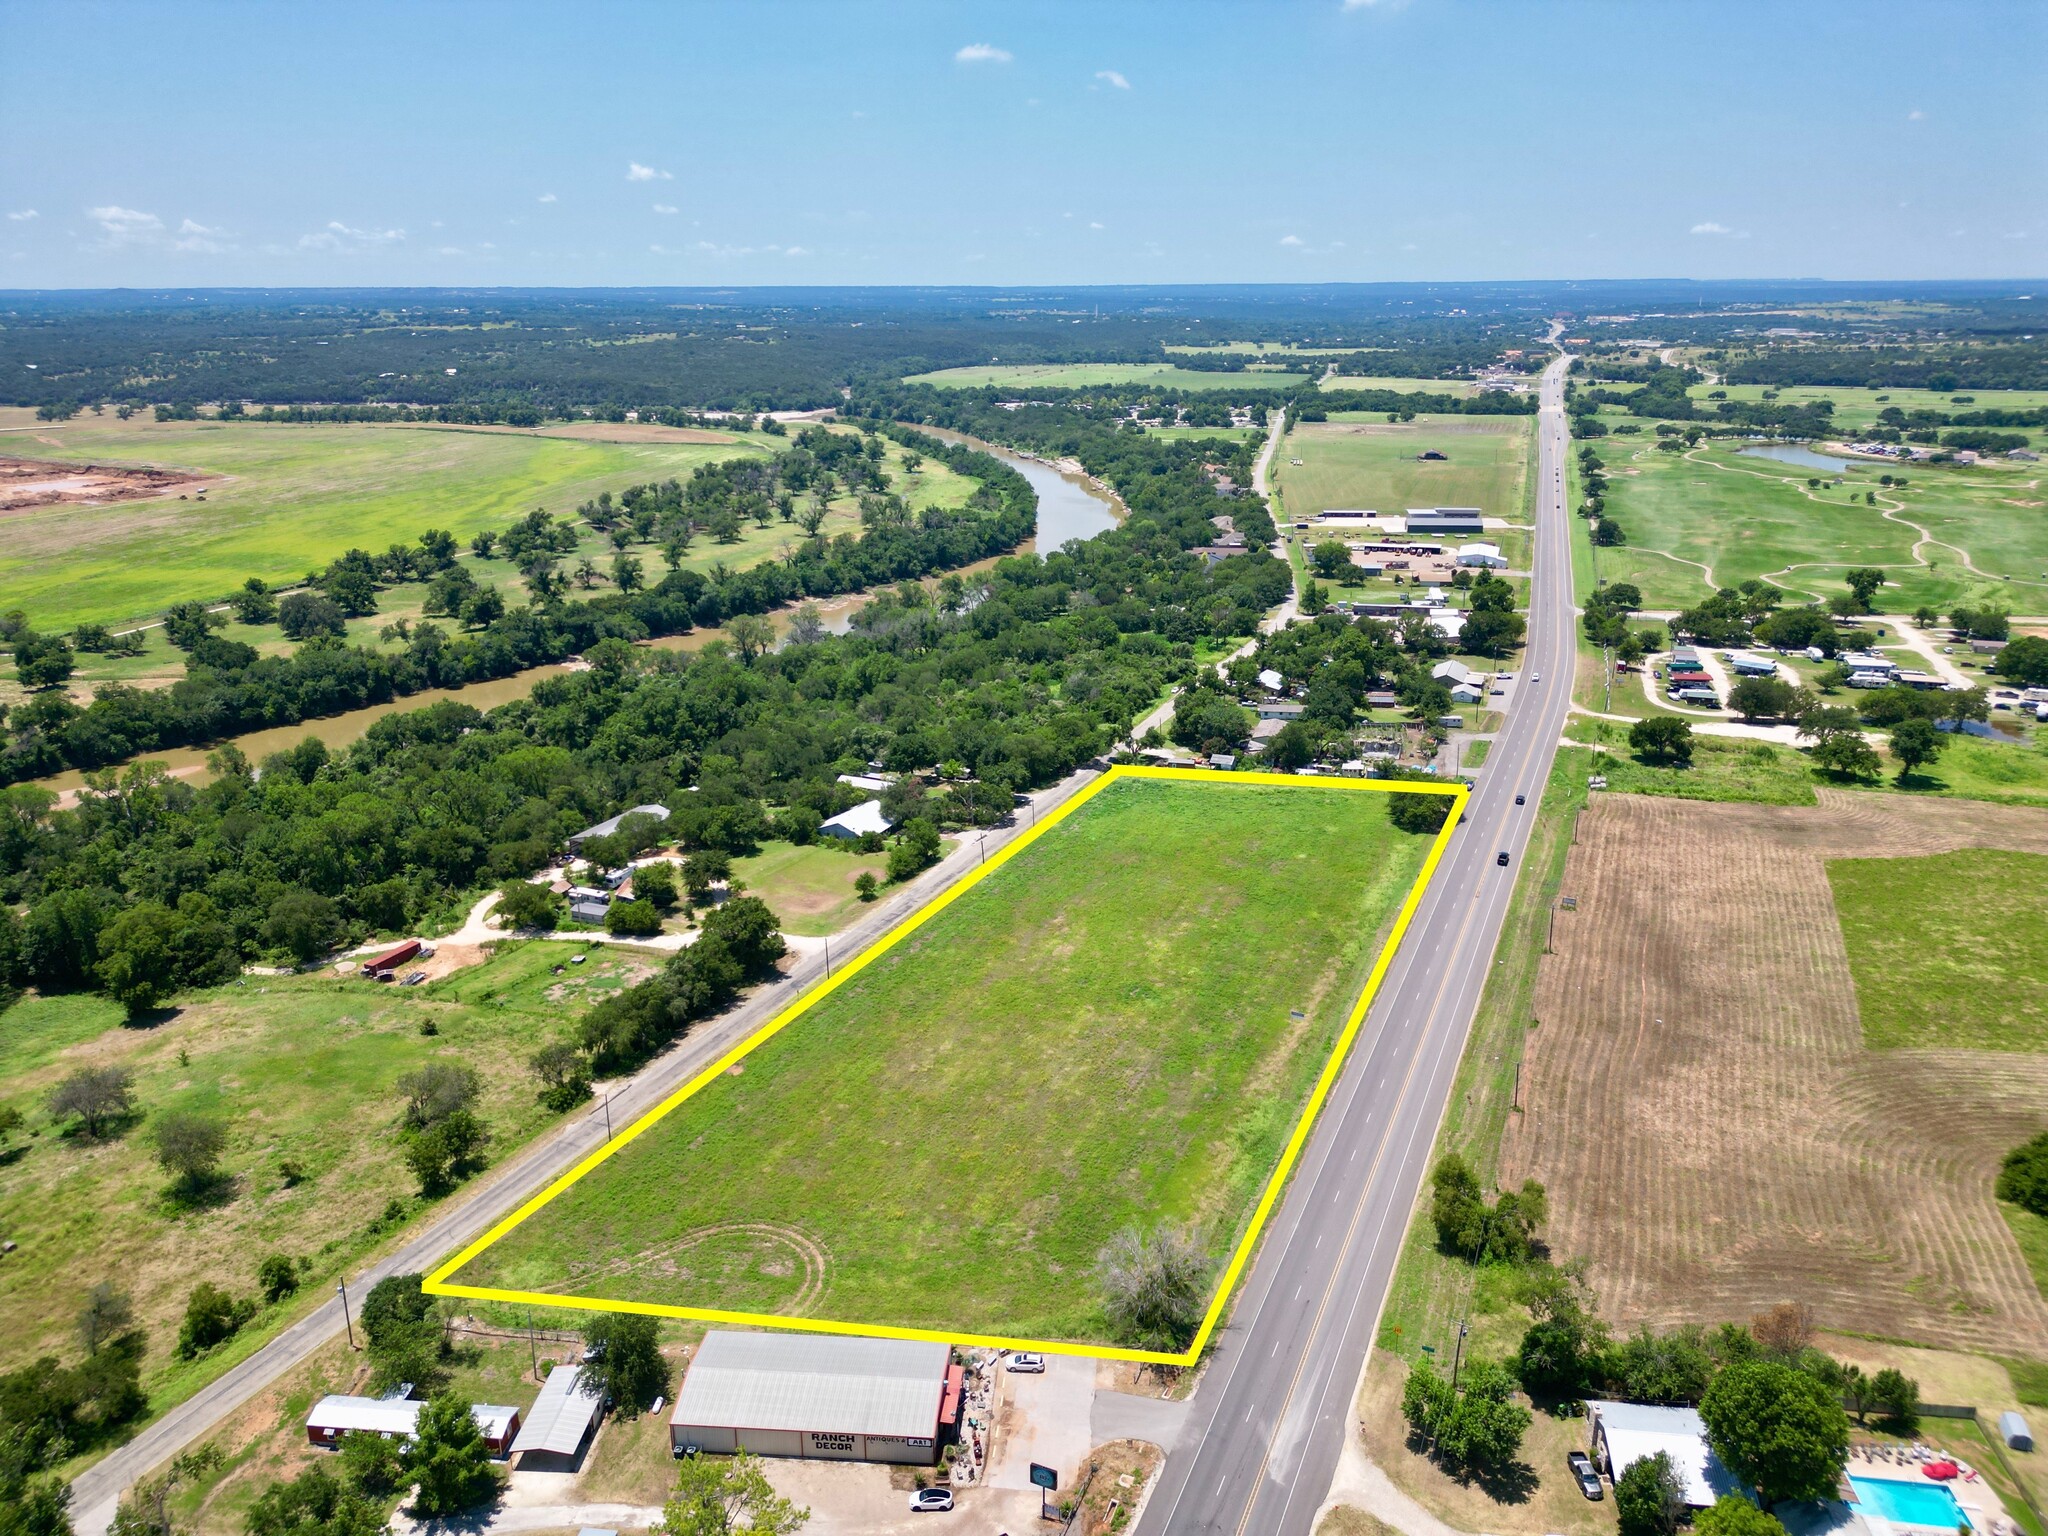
(1975, 769)
(301, 1068)
(1859, 408)
(1372, 465)
(1723, 767)
(1100, 1035)
(1096, 375)
(1946, 949)
(292, 497)
(809, 888)
(1718, 517)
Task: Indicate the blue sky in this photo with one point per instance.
(828, 141)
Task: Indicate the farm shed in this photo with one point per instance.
(560, 1417)
(391, 958)
(1445, 520)
(610, 825)
(842, 1399)
(867, 817)
(1625, 1433)
(2013, 1430)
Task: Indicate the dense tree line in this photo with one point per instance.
(2001, 364)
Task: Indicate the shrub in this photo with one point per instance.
(212, 1316)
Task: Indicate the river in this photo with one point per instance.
(1070, 506)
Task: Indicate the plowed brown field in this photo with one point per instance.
(1715, 1136)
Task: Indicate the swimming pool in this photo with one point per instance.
(1903, 1503)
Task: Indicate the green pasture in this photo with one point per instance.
(1859, 408)
(1740, 516)
(1458, 387)
(810, 888)
(1373, 465)
(1723, 767)
(1972, 768)
(290, 498)
(1099, 375)
(1116, 1029)
(1945, 949)
(301, 1069)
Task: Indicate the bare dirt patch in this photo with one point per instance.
(1715, 1136)
(30, 483)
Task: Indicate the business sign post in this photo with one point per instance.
(1044, 1479)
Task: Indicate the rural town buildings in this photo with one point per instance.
(863, 820)
(611, 825)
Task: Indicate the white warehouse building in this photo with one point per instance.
(820, 1395)
(1483, 554)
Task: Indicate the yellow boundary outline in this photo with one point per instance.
(437, 1283)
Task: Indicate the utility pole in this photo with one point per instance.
(828, 957)
(341, 1286)
(532, 1344)
(607, 1117)
(1458, 1356)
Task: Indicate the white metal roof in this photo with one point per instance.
(493, 1419)
(383, 1415)
(610, 824)
(860, 821)
(560, 1416)
(1637, 1430)
(814, 1382)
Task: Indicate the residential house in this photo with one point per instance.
(864, 819)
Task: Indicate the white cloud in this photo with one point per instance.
(123, 225)
(2016, 234)
(1711, 228)
(24, 216)
(1092, 224)
(982, 53)
(666, 208)
(1916, 116)
(1290, 240)
(1375, 5)
(1113, 78)
(338, 236)
(796, 250)
(194, 236)
(635, 171)
(449, 250)
(545, 197)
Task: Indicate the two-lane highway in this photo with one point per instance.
(1268, 1421)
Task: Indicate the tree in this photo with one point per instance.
(95, 1095)
(1662, 739)
(564, 1075)
(2023, 1176)
(1331, 558)
(751, 635)
(632, 919)
(277, 1277)
(1863, 583)
(314, 1504)
(1649, 1500)
(1607, 532)
(403, 1336)
(1476, 1232)
(865, 886)
(1895, 1395)
(1785, 1331)
(189, 1147)
(751, 934)
(211, 1317)
(1846, 755)
(629, 1371)
(1757, 698)
(1778, 1429)
(31, 1504)
(446, 1152)
(523, 904)
(1204, 720)
(42, 661)
(704, 869)
(138, 965)
(449, 1460)
(1292, 747)
(1412, 811)
(106, 1314)
(303, 923)
(1477, 1429)
(1915, 743)
(1662, 1368)
(918, 850)
(436, 1090)
(656, 883)
(1733, 1515)
(1561, 1353)
(2025, 661)
(728, 1496)
(1155, 1287)
(302, 615)
(628, 573)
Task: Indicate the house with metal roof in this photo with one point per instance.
(611, 824)
(841, 1399)
(865, 818)
(1623, 1434)
(337, 1416)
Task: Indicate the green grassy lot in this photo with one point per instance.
(1946, 949)
(1459, 387)
(1723, 767)
(1373, 466)
(1093, 375)
(1740, 516)
(2031, 1232)
(292, 497)
(810, 888)
(1100, 1035)
(300, 1068)
(1975, 769)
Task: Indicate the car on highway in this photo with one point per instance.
(933, 1500)
(1537, 678)
(1520, 798)
(1501, 858)
(1026, 1365)
(1584, 1475)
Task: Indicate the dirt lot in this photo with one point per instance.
(1714, 1133)
(26, 483)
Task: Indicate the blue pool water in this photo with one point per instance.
(1915, 1503)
